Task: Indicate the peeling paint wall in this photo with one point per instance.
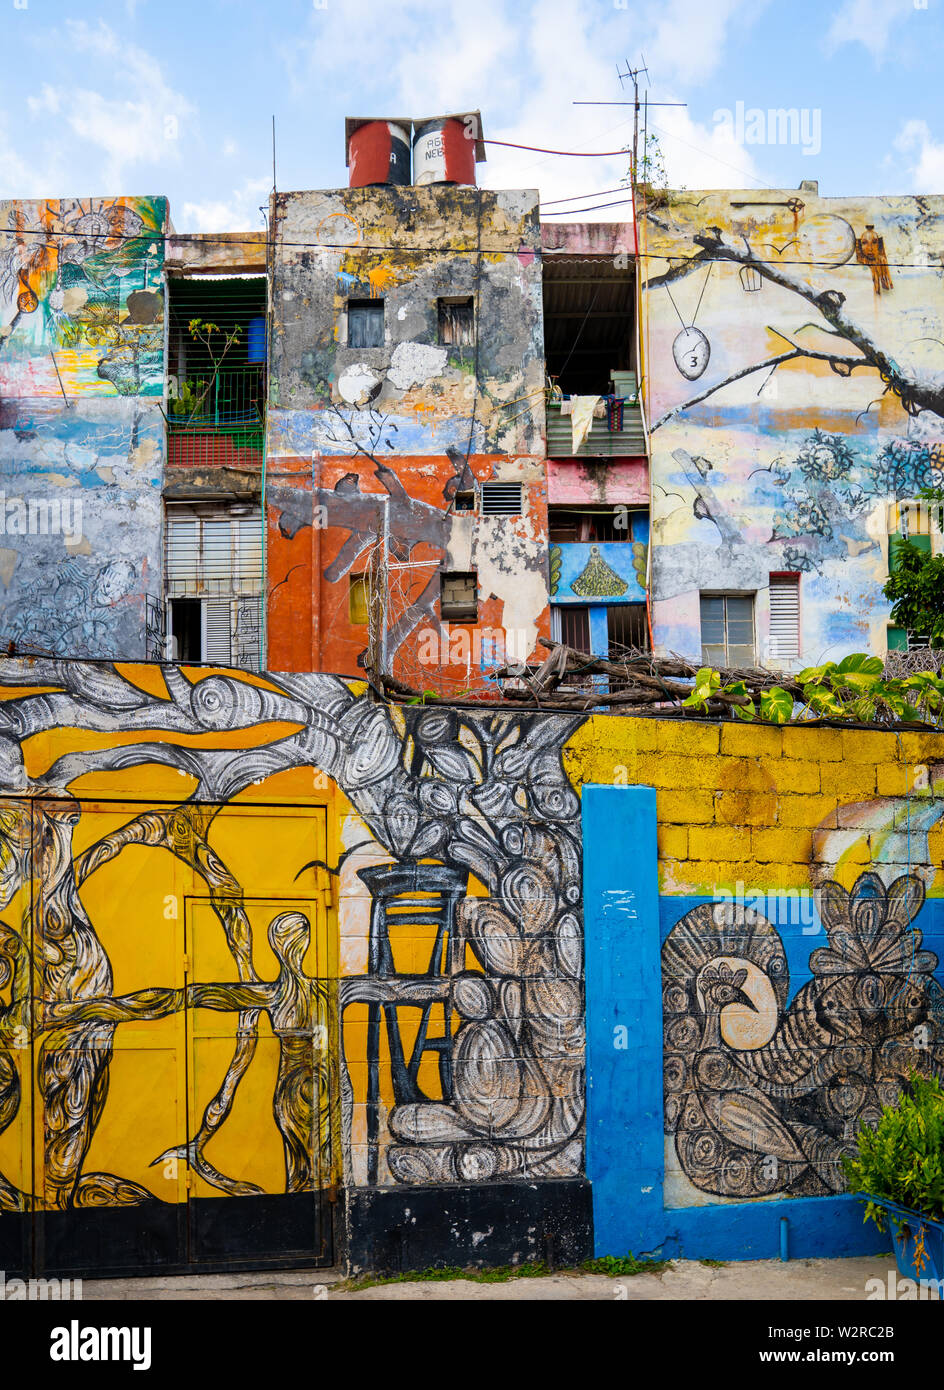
(81, 429)
(795, 386)
(360, 434)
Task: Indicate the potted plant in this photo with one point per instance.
(899, 1174)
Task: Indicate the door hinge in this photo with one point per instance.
(331, 1192)
(186, 964)
(189, 1180)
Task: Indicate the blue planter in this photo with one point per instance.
(918, 1241)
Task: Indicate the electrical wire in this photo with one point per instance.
(594, 193)
(571, 212)
(567, 154)
(201, 237)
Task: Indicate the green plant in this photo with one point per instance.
(189, 395)
(218, 341)
(853, 689)
(614, 1265)
(916, 588)
(902, 1158)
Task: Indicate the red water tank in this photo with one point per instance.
(445, 149)
(378, 152)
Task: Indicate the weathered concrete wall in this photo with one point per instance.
(413, 422)
(408, 246)
(81, 430)
(578, 482)
(325, 518)
(794, 386)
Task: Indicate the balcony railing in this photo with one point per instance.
(217, 418)
(601, 442)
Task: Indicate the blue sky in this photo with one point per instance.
(159, 96)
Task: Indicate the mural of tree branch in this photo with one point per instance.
(485, 795)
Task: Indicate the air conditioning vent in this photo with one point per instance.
(501, 499)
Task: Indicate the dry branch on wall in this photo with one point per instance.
(635, 680)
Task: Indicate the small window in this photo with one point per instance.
(458, 597)
(571, 625)
(465, 501)
(727, 629)
(501, 499)
(568, 525)
(358, 600)
(784, 642)
(627, 628)
(456, 322)
(365, 323)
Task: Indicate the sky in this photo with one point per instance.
(164, 97)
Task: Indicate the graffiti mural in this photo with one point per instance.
(81, 300)
(482, 799)
(81, 428)
(765, 1096)
(821, 402)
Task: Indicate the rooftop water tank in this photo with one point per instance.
(378, 152)
(447, 148)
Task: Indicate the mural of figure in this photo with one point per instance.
(297, 1008)
(870, 251)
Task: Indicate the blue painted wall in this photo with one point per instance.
(625, 924)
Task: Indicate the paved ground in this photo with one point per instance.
(797, 1280)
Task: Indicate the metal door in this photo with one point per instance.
(259, 1084)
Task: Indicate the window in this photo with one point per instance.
(727, 629)
(365, 323)
(458, 597)
(465, 501)
(456, 322)
(213, 578)
(626, 627)
(186, 629)
(784, 617)
(358, 601)
(571, 625)
(567, 525)
(501, 499)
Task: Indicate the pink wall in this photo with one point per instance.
(585, 481)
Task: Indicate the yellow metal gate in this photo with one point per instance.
(184, 1040)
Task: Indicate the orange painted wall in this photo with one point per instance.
(309, 572)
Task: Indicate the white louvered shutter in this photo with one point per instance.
(219, 631)
(784, 617)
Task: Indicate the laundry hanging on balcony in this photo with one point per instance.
(583, 410)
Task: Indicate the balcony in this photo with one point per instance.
(217, 419)
(598, 572)
(602, 442)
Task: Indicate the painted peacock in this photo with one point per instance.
(764, 1098)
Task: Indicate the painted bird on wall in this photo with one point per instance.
(764, 1098)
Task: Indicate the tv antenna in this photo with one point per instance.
(633, 75)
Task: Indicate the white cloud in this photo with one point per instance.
(869, 22)
(238, 213)
(142, 127)
(48, 100)
(230, 148)
(925, 157)
(525, 65)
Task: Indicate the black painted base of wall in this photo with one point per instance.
(390, 1229)
(203, 1236)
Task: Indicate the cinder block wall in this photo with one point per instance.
(783, 887)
